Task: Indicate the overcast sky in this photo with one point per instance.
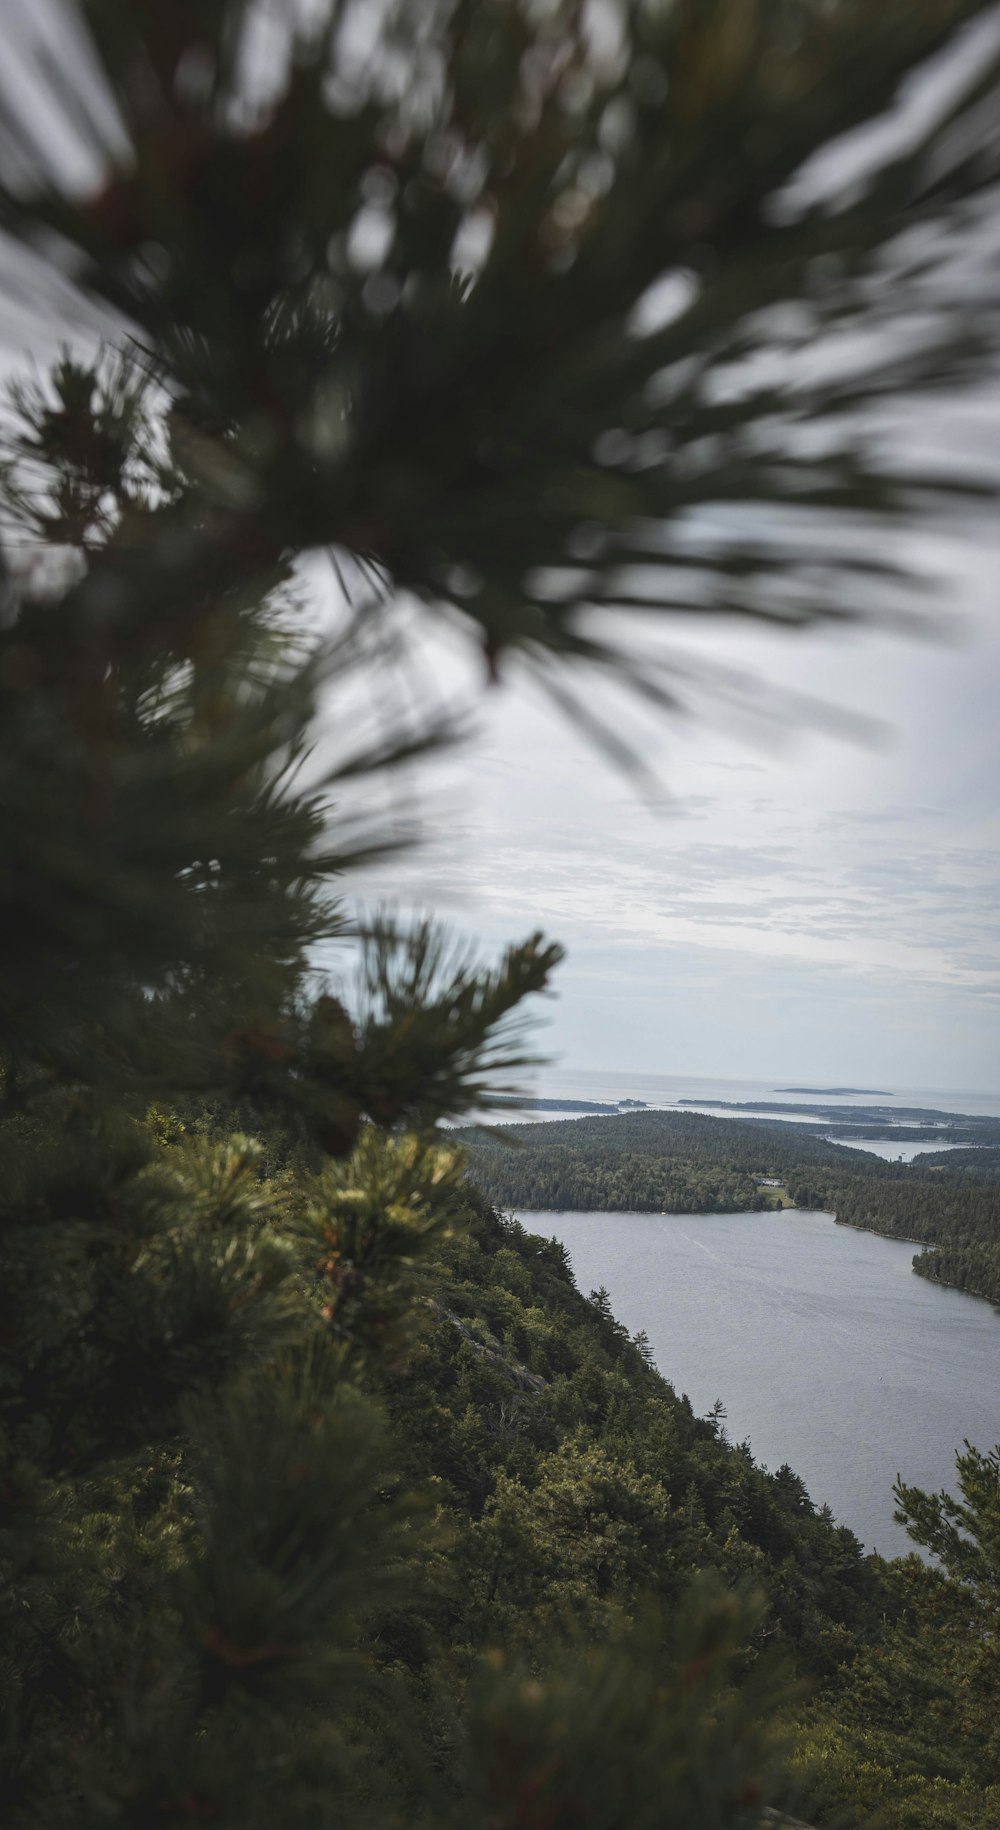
(804, 901)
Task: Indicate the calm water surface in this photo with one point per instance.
(826, 1350)
(664, 1090)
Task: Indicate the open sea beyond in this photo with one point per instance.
(667, 1090)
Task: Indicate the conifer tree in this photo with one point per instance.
(485, 302)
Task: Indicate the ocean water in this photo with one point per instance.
(826, 1349)
(666, 1090)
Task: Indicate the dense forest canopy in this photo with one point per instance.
(679, 1161)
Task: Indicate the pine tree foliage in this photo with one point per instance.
(913, 1739)
(488, 298)
(165, 878)
(489, 303)
(674, 1745)
(963, 1533)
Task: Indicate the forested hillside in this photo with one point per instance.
(560, 1536)
(679, 1162)
(576, 1470)
(578, 1483)
(948, 1202)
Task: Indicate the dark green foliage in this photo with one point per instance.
(229, 1558)
(963, 1534)
(971, 1268)
(678, 1162)
(671, 1749)
(580, 1483)
(199, 1511)
(912, 1729)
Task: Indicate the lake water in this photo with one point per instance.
(894, 1152)
(826, 1350)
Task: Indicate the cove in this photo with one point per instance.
(826, 1349)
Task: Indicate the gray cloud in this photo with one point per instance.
(818, 908)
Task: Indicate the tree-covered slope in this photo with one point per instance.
(381, 1468)
(580, 1477)
(682, 1162)
(947, 1202)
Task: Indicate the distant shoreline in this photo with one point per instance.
(570, 1105)
(830, 1092)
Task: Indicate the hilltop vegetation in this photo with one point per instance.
(570, 1466)
(545, 1570)
(680, 1162)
